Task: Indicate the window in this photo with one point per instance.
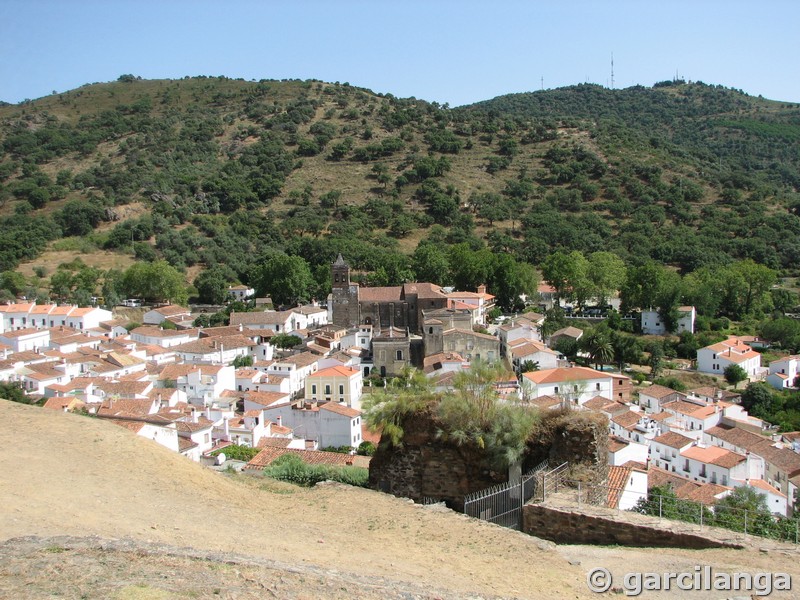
(341, 390)
(597, 386)
(314, 390)
(555, 391)
(399, 355)
(327, 389)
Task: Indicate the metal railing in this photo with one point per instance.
(748, 522)
(502, 504)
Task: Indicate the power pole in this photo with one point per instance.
(542, 82)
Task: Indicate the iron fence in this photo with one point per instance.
(502, 504)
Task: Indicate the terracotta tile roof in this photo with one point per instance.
(125, 407)
(301, 360)
(125, 388)
(214, 344)
(189, 427)
(570, 331)
(134, 426)
(335, 371)
(274, 442)
(312, 457)
(617, 481)
(616, 443)
(28, 331)
(546, 402)
(741, 438)
(185, 444)
(424, 290)
(660, 416)
(340, 409)
(530, 347)
(434, 361)
(266, 398)
(673, 440)
(714, 455)
(59, 403)
(156, 331)
(271, 317)
(171, 310)
(627, 420)
(707, 493)
(564, 374)
(368, 435)
(380, 294)
(684, 408)
(280, 429)
(247, 373)
(658, 391)
(763, 485)
(657, 477)
(604, 404)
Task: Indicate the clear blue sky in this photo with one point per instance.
(454, 51)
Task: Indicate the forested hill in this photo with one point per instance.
(220, 177)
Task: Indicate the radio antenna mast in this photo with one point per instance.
(612, 70)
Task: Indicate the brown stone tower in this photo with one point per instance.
(344, 295)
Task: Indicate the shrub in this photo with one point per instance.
(237, 452)
(291, 468)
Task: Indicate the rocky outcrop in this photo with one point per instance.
(425, 466)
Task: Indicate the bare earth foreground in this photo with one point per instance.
(89, 510)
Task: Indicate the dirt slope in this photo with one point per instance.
(66, 475)
(73, 475)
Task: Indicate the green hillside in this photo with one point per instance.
(219, 177)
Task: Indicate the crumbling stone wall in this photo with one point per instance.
(579, 438)
(426, 467)
(580, 526)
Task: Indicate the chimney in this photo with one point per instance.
(482, 288)
(227, 429)
(278, 420)
(194, 416)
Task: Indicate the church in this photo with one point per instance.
(385, 308)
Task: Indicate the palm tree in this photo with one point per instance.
(602, 351)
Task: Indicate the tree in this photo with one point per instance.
(656, 360)
(155, 282)
(430, 263)
(757, 281)
(625, 349)
(509, 280)
(242, 361)
(285, 341)
(11, 390)
(744, 507)
(606, 273)
(598, 345)
(758, 399)
(565, 273)
(642, 286)
(734, 374)
(286, 279)
(212, 284)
